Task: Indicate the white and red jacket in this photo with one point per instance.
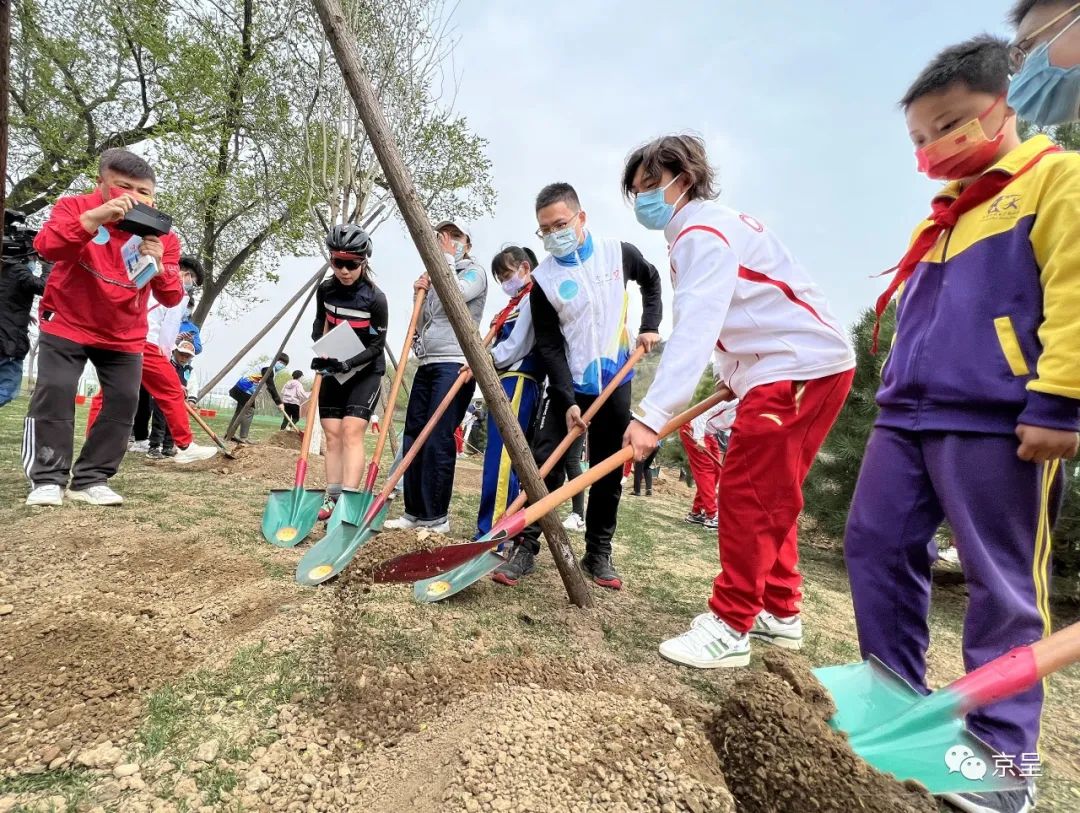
(89, 298)
(739, 291)
(163, 324)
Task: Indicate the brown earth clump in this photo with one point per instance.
(779, 754)
(285, 439)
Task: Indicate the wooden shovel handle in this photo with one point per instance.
(194, 413)
(309, 426)
(399, 374)
(605, 467)
(1057, 651)
(429, 427)
(564, 446)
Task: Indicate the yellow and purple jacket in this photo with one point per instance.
(988, 326)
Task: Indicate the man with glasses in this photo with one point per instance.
(1044, 60)
(579, 304)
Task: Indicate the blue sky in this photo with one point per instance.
(796, 101)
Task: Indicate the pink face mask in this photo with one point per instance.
(962, 153)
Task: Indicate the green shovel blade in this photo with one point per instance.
(448, 584)
(350, 507)
(901, 732)
(290, 515)
(332, 554)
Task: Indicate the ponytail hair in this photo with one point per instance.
(509, 258)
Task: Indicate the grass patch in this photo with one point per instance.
(72, 784)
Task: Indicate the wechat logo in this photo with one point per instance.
(962, 760)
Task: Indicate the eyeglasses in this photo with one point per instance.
(544, 231)
(347, 265)
(1018, 53)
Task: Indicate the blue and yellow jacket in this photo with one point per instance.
(988, 326)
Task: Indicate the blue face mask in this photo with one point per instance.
(1045, 94)
(459, 251)
(650, 208)
(279, 367)
(561, 243)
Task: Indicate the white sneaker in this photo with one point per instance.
(96, 495)
(708, 644)
(194, 453)
(139, 446)
(402, 523)
(46, 495)
(439, 527)
(785, 633)
(574, 522)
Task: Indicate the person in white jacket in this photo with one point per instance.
(158, 376)
(740, 292)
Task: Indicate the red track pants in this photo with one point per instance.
(704, 468)
(777, 433)
(160, 380)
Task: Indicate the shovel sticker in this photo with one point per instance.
(961, 759)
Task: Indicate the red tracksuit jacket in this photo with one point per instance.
(89, 299)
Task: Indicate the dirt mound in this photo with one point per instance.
(779, 755)
(285, 439)
(388, 544)
(267, 463)
(559, 751)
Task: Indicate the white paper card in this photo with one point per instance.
(340, 343)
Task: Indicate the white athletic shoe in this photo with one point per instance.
(438, 527)
(785, 633)
(574, 522)
(96, 495)
(708, 644)
(402, 523)
(139, 446)
(46, 495)
(194, 453)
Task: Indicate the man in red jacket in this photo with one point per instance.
(92, 310)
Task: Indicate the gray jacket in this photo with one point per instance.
(436, 342)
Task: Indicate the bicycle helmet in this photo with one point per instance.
(348, 238)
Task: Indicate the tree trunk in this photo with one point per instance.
(400, 181)
(5, 83)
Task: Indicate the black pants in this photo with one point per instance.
(49, 431)
(572, 468)
(605, 439)
(141, 428)
(643, 471)
(293, 411)
(160, 436)
(243, 426)
(429, 481)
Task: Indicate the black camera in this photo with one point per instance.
(18, 237)
(145, 221)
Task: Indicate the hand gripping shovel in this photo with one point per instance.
(291, 513)
(194, 413)
(331, 554)
(922, 737)
(352, 505)
(447, 584)
(411, 567)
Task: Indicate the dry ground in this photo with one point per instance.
(160, 657)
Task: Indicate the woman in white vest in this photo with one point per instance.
(579, 304)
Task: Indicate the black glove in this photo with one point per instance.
(335, 366)
(318, 364)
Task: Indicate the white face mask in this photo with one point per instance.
(513, 285)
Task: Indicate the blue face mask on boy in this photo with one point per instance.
(1045, 94)
(561, 243)
(650, 208)
(279, 367)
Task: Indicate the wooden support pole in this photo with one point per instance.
(343, 43)
(5, 90)
(308, 288)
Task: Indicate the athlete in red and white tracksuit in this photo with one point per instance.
(739, 291)
(158, 375)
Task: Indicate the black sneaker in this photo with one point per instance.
(598, 567)
(170, 452)
(519, 564)
(154, 454)
(648, 492)
(696, 518)
(1002, 801)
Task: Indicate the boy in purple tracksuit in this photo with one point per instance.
(980, 395)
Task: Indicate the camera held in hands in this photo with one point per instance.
(145, 221)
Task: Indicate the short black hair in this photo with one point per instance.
(194, 267)
(297, 373)
(1024, 7)
(283, 358)
(558, 193)
(981, 63)
(510, 258)
(126, 163)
